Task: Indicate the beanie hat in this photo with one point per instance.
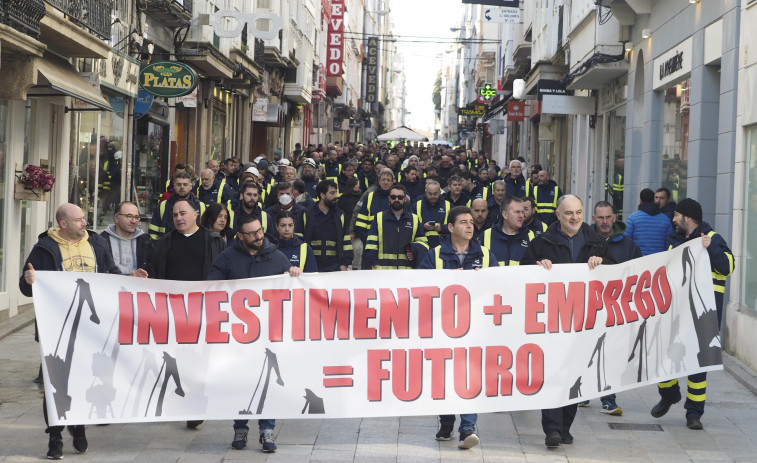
(263, 164)
(690, 208)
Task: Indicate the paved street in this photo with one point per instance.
(730, 429)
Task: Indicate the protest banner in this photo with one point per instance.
(371, 343)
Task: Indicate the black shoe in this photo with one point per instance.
(80, 438)
(694, 423)
(55, 447)
(240, 439)
(662, 407)
(468, 439)
(567, 438)
(192, 424)
(553, 439)
(445, 432)
(267, 444)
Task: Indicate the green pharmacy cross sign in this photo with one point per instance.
(168, 79)
(487, 93)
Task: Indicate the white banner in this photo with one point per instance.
(371, 343)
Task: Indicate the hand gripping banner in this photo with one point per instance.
(371, 343)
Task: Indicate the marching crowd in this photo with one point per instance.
(360, 207)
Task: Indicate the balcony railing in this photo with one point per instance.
(93, 15)
(173, 13)
(22, 15)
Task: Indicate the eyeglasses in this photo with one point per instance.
(396, 197)
(130, 217)
(253, 233)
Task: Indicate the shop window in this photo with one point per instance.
(749, 286)
(675, 139)
(4, 188)
(96, 163)
(151, 152)
(616, 148)
(26, 231)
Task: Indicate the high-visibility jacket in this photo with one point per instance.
(299, 253)
(444, 257)
(328, 236)
(546, 197)
(436, 213)
(162, 218)
(219, 192)
(388, 237)
(377, 200)
(332, 170)
(721, 257)
(366, 180)
(508, 249)
(236, 212)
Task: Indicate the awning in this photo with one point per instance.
(58, 77)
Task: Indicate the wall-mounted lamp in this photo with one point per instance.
(693, 1)
(646, 33)
(628, 46)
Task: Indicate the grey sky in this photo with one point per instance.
(426, 18)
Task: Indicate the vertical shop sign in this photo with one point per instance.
(372, 57)
(335, 47)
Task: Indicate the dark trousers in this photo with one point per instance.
(696, 394)
(558, 419)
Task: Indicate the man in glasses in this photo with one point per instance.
(129, 245)
(252, 254)
(403, 240)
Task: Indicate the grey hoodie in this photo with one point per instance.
(124, 250)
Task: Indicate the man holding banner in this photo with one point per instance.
(688, 223)
(252, 254)
(461, 252)
(71, 248)
(569, 240)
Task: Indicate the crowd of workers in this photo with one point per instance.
(360, 207)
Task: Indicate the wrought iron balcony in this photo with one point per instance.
(172, 13)
(22, 15)
(93, 15)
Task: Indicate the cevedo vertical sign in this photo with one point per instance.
(335, 47)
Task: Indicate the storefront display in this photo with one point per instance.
(749, 285)
(675, 135)
(96, 163)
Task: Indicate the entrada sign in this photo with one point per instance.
(168, 79)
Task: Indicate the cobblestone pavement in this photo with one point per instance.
(730, 433)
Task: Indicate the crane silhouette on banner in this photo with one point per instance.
(59, 369)
(102, 395)
(599, 351)
(168, 370)
(270, 363)
(706, 325)
(147, 365)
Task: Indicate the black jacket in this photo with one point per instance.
(214, 245)
(145, 246)
(236, 262)
(549, 245)
(622, 247)
(45, 255)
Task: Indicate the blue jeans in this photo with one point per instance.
(467, 421)
(262, 424)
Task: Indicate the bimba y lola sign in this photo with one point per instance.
(168, 79)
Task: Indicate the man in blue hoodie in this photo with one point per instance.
(648, 227)
(252, 254)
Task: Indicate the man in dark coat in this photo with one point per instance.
(69, 247)
(569, 240)
(253, 254)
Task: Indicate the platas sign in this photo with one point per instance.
(168, 79)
